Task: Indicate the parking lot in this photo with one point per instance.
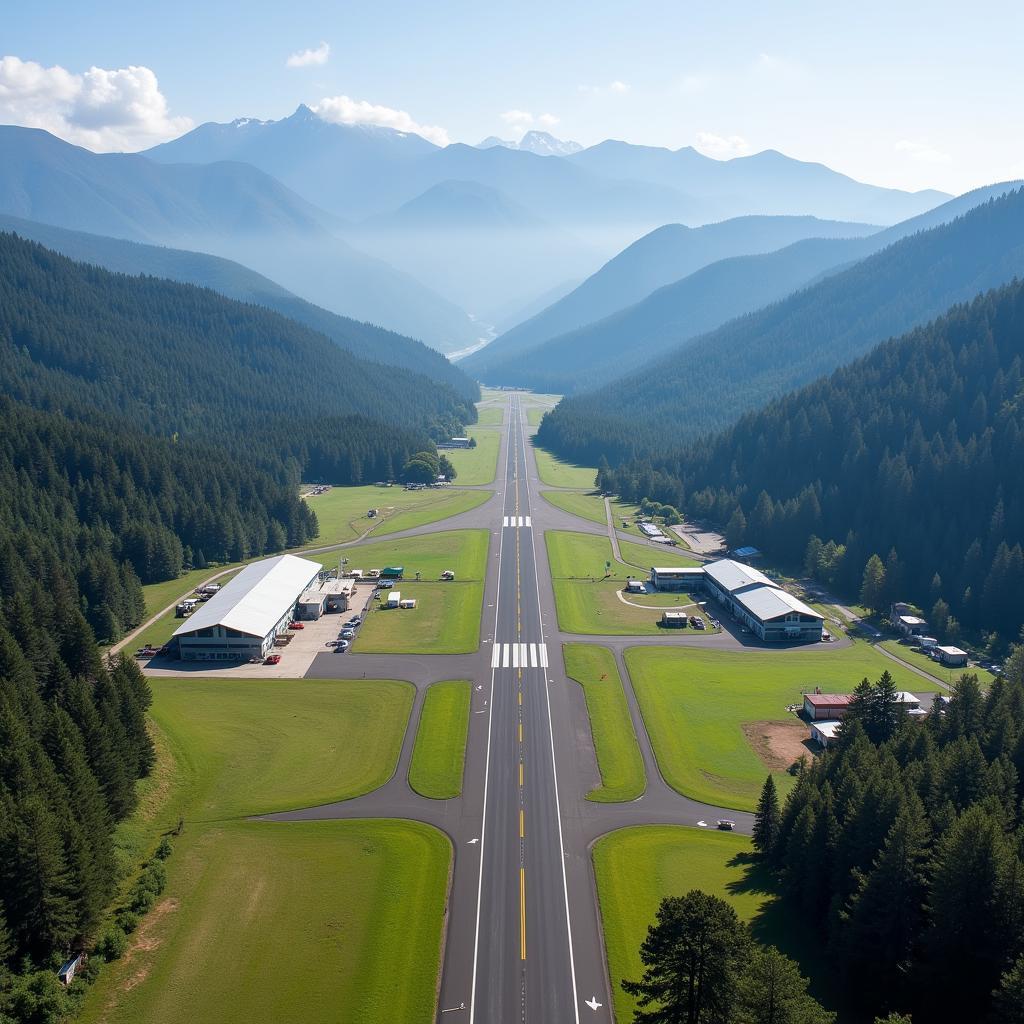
(296, 656)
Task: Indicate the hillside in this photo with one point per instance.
(665, 255)
(180, 360)
(913, 449)
(238, 282)
(593, 355)
(755, 358)
(228, 208)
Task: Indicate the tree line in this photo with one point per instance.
(73, 744)
(902, 847)
(910, 453)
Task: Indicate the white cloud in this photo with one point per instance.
(522, 120)
(923, 151)
(309, 58)
(344, 110)
(548, 120)
(102, 109)
(616, 88)
(721, 147)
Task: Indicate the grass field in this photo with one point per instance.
(439, 755)
(638, 867)
(490, 416)
(556, 473)
(160, 595)
(695, 702)
(446, 619)
(266, 922)
(477, 466)
(587, 606)
(341, 511)
(589, 506)
(618, 756)
(303, 922)
(536, 413)
(663, 599)
(251, 746)
(933, 668)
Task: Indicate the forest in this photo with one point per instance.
(73, 743)
(903, 850)
(911, 453)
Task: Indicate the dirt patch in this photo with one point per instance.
(144, 941)
(778, 744)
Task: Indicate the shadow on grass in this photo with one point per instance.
(778, 923)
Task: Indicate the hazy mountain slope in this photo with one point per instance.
(231, 209)
(768, 182)
(599, 352)
(239, 282)
(755, 358)
(666, 254)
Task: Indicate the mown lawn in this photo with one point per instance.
(618, 755)
(586, 601)
(439, 756)
(296, 923)
(446, 619)
(638, 867)
(933, 668)
(251, 746)
(589, 506)
(490, 416)
(477, 466)
(556, 473)
(695, 703)
(341, 511)
(278, 922)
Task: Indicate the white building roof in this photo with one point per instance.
(257, 598)
(906, 697)
(769, 602)
(732, 576)
(828, 728)
(953, 652)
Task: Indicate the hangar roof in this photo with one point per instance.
(257, 598)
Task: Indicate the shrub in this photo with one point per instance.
(113, 944)
(127, 920)
(164, 850)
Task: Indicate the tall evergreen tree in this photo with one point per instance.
(767, 818)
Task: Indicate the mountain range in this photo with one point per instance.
(541, 143)
(588, 356)
(707, 382)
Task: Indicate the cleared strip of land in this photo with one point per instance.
(439, 756)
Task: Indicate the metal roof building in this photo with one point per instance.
(761, 604)
(243, 619)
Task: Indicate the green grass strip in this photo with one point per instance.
(439, 756)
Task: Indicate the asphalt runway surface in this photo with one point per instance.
(523, 940)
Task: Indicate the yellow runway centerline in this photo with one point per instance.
(522, 913)
(522, 823)
(520, 773)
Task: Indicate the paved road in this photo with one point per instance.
(523, 937)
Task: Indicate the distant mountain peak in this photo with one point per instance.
(536, 142)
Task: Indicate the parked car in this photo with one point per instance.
(699, 624)
(272, 659)
(726, 825)
(341, 645)
(296, 625)
(356, 621)
(347, 634)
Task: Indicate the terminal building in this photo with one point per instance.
(241, 621)
(772, 614)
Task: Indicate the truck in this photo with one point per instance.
(394, 599)
(448, 574)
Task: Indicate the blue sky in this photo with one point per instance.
(880, 91)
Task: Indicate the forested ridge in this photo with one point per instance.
(708, 383)
(913, 452)
(235, 281)
(903, 849)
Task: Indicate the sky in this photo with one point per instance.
(894, 93)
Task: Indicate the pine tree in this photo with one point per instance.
(767, 818)
(771, 990)
(1008, 998)
(872, 588)
(691, 957)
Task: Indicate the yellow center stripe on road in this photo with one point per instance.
(522, 913)
(520, 773)
(522, 823)
(520, 698)
(520, 732)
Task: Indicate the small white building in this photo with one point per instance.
(825, 732)
(636, 587)
(677, 577)
(952, 657)
(394, 599)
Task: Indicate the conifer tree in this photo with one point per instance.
(767, 818)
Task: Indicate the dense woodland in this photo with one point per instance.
(708, 383)
(903, 848)
(73, 743)
(913, 453)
